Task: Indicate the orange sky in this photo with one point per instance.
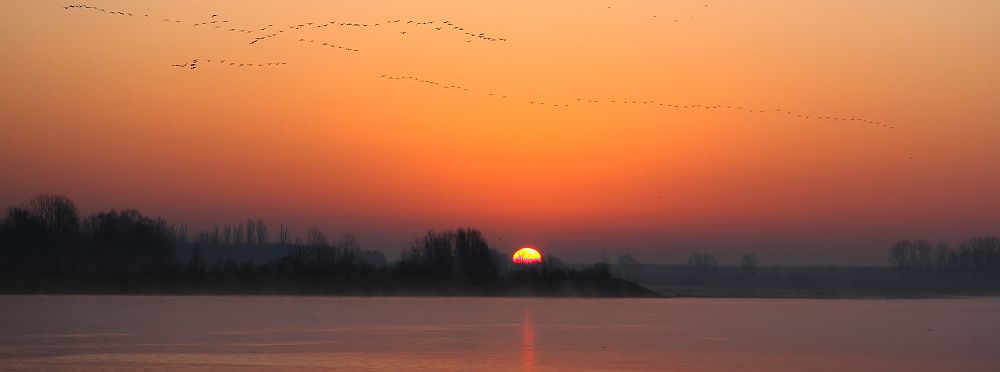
(91, 108)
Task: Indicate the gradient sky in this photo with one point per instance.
(90, 108)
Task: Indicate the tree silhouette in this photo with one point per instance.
(431, 255)
(703, 263)
(974, 265)
(473, 256)
(261, 233)
(41, 237)
(45, 241)
(128, 241)
(748, 264)
(628, 266)
(283, 235)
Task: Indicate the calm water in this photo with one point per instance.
(282, 333)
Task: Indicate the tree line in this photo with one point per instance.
(914, 268)
(975, 263)
(45, 246)
(47, 236)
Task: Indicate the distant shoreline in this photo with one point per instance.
(806, 295)
(568, 288)
(644, 293)
(672, 296)
(46, 246)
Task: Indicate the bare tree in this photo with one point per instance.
(53, 226)
(261, 232)
(316, 238)
(901, 255)
(703, 263)
(57, 212)
(283, 235)
(182, 233)
(628, 267)
(749, 265)
(238, 234)
(227, 234)
(350, 243)
(215, 235)
(923, 256)
(942, 255)
(432, 254)
(251, 230)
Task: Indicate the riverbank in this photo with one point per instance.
(583, 288)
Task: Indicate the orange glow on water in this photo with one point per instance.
(527, 343)
(527, 255)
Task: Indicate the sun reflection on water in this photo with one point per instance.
(528, 343)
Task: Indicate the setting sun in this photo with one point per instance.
(350, 174)
(527, 255)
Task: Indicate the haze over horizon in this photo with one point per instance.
(765, 141)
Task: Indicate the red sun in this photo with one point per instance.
(527, 256)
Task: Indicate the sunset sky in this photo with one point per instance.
(91, 108)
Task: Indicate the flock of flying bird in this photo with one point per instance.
(193, 64)
(330, 45)
(435, 25)
(271, 30)
(650, 103)
(274, 31)
(214, 22)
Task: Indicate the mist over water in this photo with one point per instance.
(70, 333)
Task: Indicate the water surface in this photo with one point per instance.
(322, 333)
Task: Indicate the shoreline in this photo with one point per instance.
(657, 295)
(581, 288)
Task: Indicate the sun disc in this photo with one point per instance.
(527, 255)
